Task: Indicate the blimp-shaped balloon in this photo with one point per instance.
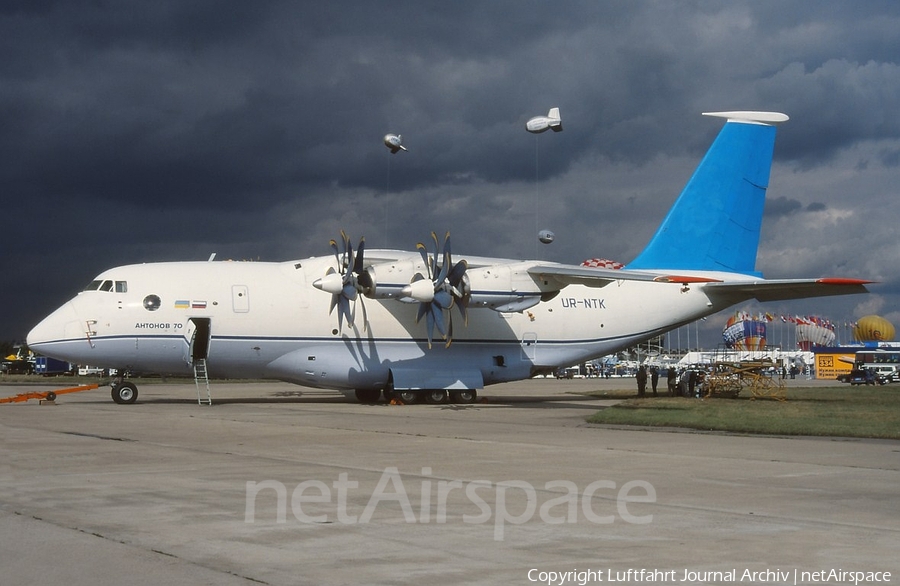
(546, 236)
(539, 124)
(394, 142)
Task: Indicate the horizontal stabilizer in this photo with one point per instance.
(751, 117)
(785, 289)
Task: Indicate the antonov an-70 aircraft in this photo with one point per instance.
(367, 321)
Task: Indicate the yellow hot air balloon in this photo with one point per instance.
(873, 328)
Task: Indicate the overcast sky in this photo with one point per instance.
(140, 131)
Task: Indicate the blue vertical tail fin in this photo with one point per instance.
(714, 224)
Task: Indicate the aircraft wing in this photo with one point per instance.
(599, 277)
(784, 289)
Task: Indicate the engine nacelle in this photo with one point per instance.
(503, 288)
(389, 279)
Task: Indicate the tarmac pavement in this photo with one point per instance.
(280, 484)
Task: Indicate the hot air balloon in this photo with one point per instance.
(744, 332)
(814, 331)
(546, 236)
(873, 328)
(602, 263)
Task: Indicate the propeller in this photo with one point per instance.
(348, 281)
(444, 286)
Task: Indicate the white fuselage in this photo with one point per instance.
(266, 320)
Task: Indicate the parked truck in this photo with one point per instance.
(46, 366)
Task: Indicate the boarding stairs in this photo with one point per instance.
(201, 378)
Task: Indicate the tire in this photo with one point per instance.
(436, 397)
(368, 396)
(408, 397)
(124, 393)
(51, 396)
(465, 397)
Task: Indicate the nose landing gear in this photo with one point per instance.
(124, 392)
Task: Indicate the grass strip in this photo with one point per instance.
(864, 412)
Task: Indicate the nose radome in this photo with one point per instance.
(52, 328)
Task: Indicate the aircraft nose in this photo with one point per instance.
(52, 328)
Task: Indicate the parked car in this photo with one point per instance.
(861, 376)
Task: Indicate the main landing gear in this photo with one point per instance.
(432, 397)
(124, 392)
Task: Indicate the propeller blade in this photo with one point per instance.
(348, 263)
(438, 315)
(434, 260)
(349, 292)
(362, 302)
(429, 326)
(457, 273)
(445, 269)
(447, 262)
(424, 252)
(423, 309)
(344, 311)
(463, 310)
(443, 299)
(334, 302)
(449, 331)
(337, 254)
(358, 265)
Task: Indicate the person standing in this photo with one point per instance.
(642, 380)
(654, 379)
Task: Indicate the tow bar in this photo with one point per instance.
(46, 395)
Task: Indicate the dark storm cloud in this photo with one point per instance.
(782, 206)
(136, 131)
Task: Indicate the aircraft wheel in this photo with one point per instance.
(368, 395)
(465, 397)
(436, 397)
(124, 393)
(408, 397)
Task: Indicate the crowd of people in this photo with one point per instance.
(685, 382)
(688, 382)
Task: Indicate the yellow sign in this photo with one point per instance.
(829, 366)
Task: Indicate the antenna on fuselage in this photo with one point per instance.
(212, 257)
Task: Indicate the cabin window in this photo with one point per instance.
(152, 302)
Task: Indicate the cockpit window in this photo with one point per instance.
(107, 285)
